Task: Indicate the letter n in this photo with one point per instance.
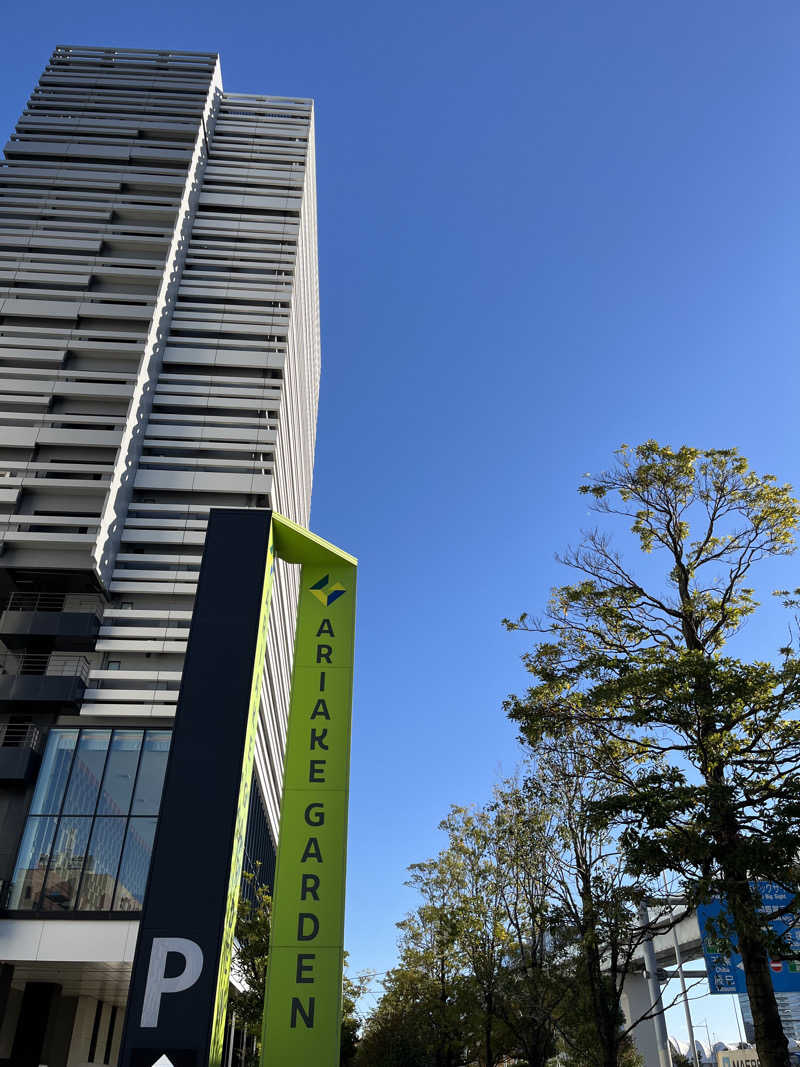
(297, 1009)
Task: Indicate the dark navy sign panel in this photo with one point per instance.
(725, 968)
(176, 968)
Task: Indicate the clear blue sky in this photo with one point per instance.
(545, 228)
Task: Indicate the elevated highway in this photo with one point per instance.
(654, 964)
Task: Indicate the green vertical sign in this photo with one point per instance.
(302, 1013)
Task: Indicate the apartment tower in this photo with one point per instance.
(159, 356)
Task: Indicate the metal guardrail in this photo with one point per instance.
(55, 664)
(20, 735)
(35, 602)
(53, 602)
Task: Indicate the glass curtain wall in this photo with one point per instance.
(89, 834)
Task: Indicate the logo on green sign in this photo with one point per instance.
(325, 592)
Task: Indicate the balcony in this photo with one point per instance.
(69, 623)
(20, 751)
(41, 680)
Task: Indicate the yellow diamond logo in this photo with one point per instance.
(325, 592)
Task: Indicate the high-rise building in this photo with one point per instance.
(788, 1009)
(159, 356)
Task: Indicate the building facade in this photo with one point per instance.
(159, 356)
(789, 1010)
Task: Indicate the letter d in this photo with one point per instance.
(301, 926)
(158, 984)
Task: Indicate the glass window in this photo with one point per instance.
(87, 770)
(102, 863)
(89, 835)
(147, 798)
(120, 774)
(53, 772)
(32, 861)
(135, 865)
(66, 864)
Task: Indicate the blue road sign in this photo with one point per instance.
(724, 964)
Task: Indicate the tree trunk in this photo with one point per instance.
(604, 1017)
(537, 1052)
(773, 1049)
(771, 1043)
(488, 1034)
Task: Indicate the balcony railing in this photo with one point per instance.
(20, 735)
(56, 664)
(53, 602)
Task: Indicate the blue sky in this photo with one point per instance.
(545, 229)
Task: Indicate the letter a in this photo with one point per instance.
(311, 851)
(320, 710)
(325, 628)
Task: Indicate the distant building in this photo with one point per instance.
(789, 1008)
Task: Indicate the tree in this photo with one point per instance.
(531, 999)
(594, 901)
(352, 990)
(405, 1029)
(524, 937)
(478, 887)
(250, 952)
(679, 1059)
(700, 750)
(430, 965)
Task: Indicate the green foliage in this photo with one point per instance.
(679, 1060)
(417, 1022)
(251, 949)
(508, 949)
(698, 752)
(652, 750)
(592, 901)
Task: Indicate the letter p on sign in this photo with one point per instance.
(158, 983)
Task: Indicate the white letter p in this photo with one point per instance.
(158, 983)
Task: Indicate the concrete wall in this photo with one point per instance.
(635, 1002)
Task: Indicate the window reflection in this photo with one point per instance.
(102, 863)
(87, 770)
(89, 835)
(120, 774)
(135, 865)
(53, 772)
(66, 864)
(32, 862)
(150, 782)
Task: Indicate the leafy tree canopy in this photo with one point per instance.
(699, 751)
